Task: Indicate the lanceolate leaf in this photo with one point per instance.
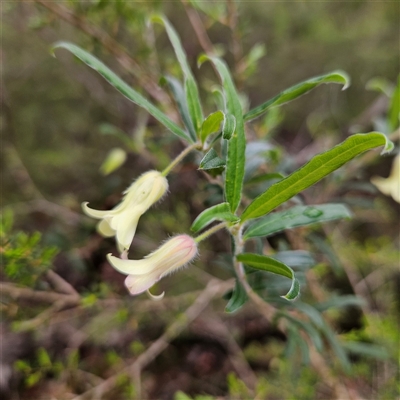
(211, 161)
(238, 298)
(298, 90)
(316, 169)
(308, 328)
(191, 90)
(295, 217)
(180, 98)
(268, 264)
(237, 144)
(211, 125)
(220, 212)
(123, 87)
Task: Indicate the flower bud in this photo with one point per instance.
(143, 274)
(122, 220)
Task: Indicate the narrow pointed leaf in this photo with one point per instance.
(220, 212)
(238, 298)
(180, 98)
(336, 346)
(191, 90)
(309, 329)
(316, 169)
(229, 126)
(123, 87)
(235, 160)
(211, 161)
(211, 124)
(295, 217)
(269, 264)
(298, 90)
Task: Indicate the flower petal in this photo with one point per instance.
(95, 213)
(125, 225)
(131, 267)
(139, 283)
(104, 228)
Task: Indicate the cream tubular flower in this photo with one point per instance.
(122, 220)
(143, 274)
(390, 185)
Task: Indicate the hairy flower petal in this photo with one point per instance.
(142, 274)
(122, 220)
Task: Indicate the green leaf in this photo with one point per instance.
(366, 349)
(180, 98)
(110, 129)
(43, 358)
(191, 90)
(123, 87)
(211, 161)
(336, 346)
(381, 85)
(269, 264)
(229, 126)
(299, 259)
(394, 108)
(220, 212)
(309, 329)
(237, 144)
(265, 177)
(114, 159)
(316, 169)
(238, 298)
(298, 90)
(211, 125)
(339, 302)
(295, 217)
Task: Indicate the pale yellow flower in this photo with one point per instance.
(122, 220)
(143, 274)
(390, 185)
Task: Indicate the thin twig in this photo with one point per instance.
(39, 296)
(60, 284)
(199, 28)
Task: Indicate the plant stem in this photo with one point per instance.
(179, 158)
(211, 231)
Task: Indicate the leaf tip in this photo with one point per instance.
(347, 82)
(202, 59)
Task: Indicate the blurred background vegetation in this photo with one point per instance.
(60, 120)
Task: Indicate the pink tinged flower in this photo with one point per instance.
(122, 220)
(143, 274)
(390, 185)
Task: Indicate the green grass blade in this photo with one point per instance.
(269, 264)
(316, 169)
(298, 90)
(237, 144)
(123, 87)
(191, 90)
(295, 217)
